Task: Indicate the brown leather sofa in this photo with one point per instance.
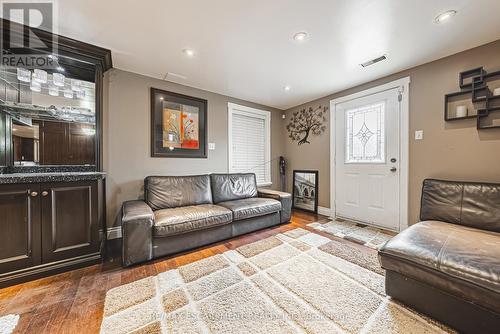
(448, 265)
(185, 212)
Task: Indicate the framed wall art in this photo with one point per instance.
(178, 125)
(305, 190)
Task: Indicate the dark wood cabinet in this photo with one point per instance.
(66, 143)
(70, 220)
(19, 227)
(49, 227)
(23, 148)
(81, 144)
(53, 143)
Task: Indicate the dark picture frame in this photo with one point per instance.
(305, 194)
(173, 142)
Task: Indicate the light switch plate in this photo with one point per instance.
(211, 146)
(419, 134)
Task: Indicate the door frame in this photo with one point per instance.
(404, 137)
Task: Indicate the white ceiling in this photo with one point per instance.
(244, 48)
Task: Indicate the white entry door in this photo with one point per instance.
(367, 159)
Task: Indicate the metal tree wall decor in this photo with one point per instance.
(307, 122)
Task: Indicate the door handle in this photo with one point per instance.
(33, 194)
(393, 169)
(44, 193)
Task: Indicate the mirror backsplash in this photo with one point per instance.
(53, 117)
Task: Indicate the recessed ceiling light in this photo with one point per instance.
(300, 36)
(287, 88)
(188, 52)
(445, 16)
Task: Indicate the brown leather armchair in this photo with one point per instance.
(185, 212)
(448, 265)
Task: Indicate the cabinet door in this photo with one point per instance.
(19, 227)
(53, 143)
(81, 144)
(69, 220)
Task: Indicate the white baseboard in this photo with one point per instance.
(324, 211)
(114, 232)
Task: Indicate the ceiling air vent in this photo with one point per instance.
(373, 61)
(173, 76)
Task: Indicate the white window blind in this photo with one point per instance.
(249, 140)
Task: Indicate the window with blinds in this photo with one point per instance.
(249, 142)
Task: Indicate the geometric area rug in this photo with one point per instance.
(8, 323)
(294, 282)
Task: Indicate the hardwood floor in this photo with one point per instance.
(73, 302)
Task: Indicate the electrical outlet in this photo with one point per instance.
(419, 134)
(211, 146)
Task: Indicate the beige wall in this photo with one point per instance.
(127, 137)
(450, 150)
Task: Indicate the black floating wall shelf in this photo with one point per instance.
(475, 92)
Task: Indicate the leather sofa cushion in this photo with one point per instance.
(436, 279)
(463, 203)
(251, 207)
(162, 192)
(463, 253)
(229, 187)
(189, 218)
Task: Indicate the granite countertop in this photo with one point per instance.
(50, 177)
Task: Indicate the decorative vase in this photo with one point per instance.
(461, 111)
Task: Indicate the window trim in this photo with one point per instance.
(234, 108)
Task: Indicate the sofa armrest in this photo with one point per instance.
(137, 232)
(284, 198)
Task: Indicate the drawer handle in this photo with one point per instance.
(33, 194)
(44, 193)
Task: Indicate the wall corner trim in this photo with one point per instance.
(324, 211)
